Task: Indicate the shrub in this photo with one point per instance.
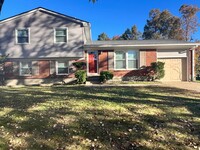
(81, 76)
(105, 75)
(79, 65)
(158, 69)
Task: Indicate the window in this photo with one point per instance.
(25, 68)
(22, 36)
(62, 68)
(61, 35)
(132, 59)
(126, 59)
(120, 59)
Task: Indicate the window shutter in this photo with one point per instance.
(52, 67)
(142, 60)
(110, 60)
(16, 68)
(35, 68)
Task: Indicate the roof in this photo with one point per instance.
(44, 10)
(137, 43)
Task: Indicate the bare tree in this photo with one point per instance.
(189, 20)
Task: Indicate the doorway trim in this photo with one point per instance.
(97, 53)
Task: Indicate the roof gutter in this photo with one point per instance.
(139, 45)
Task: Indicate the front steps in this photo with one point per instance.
(92, 80)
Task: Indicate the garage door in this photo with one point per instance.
(175, 69)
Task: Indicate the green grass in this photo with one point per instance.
(114, 118)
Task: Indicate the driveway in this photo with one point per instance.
(194, 86)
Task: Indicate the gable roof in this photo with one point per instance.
(47, 11)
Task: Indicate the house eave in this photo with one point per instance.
(143, 46)
(85, 23)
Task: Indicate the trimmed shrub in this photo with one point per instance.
(79, 65)
(105, 76)
(158, 69)
(81, 76)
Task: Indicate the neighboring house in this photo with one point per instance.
(43, 44)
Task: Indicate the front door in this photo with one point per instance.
(92, 62)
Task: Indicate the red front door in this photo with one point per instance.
(92, 62)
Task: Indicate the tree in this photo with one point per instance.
(197, 62)
(189, 20)
(3, 59)
(1, 4)
(103, 37)
(116, 37)
(131, 34)
(135, 33)
(127, 35)
(162, 25)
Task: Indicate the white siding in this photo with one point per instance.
(171, 53)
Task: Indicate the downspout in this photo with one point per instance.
(193, 64)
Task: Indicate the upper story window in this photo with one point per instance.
(126, 60)
(61, 35)
(23, 36)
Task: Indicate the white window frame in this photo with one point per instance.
(16, 35)
(126, 59)
(66, 61)
(20, 66)
(62, 28)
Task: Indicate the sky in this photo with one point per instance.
(110, 16)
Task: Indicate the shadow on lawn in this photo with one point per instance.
(56, 124)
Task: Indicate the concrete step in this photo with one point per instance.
(93, 78)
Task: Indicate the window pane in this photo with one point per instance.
(62, 67)
(132, 64)
(22, 33)
(26, 68)
(22, 39)
(120, 55)
(132, 55)
(25, 71)
(60, 32)
(60, 39)
(63, 70)
(120, 64)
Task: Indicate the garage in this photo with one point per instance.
(175, 69)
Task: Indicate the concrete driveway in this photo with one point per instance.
(194, 86)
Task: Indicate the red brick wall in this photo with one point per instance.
(103, 61)
(151, 56)
(44, 71)
(129, 73)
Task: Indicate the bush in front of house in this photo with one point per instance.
(79, 65)
(81, 76)
(105, 76)
(158, 69)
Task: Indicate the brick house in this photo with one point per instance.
(43, 44)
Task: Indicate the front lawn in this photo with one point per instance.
(114, 118)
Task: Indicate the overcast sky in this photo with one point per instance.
(109, 16)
